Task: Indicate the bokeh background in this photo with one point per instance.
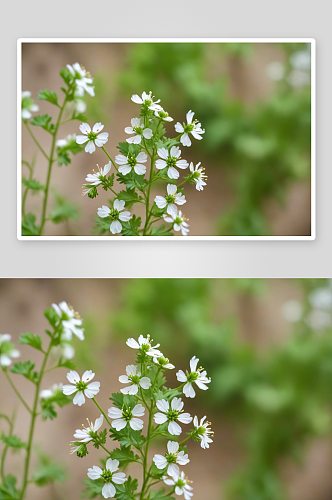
(252, 99)
(266, 343)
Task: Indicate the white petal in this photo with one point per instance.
(188, 390)
(190, 116)
(92, 389)
(145, 383)
(177, 404)
(141, 157)
(90, 147)
(174, 429)
(125, 216)
(87, 376)
(162, 405)
(114, 412)
(73, 377)
(160, 418)
(68, 389)
(79, 399)
(101, 139)
(201, 385)
(181, 376)
(119, 478)
(171, 188)
(160, 202)
(98, 423)
(132, 343)
(116, 227)
(98, 127)
(121, 160)
(168, 481)
(119, 424)
(81, 139)
(172, 446)
(123, 379)
(119, 205)
(160, 164)
(140, 169)
(85, 128)
(112, 465)
(147, 133)
(173, 470)
(182, 164)
(193, 363)
(138, 410)
(160, 461)
(136, 424)
(108, 490)
(136, 98)
(185, 140)
(125, 169)
(179, 128)
(95, 472)
(173, 173)
(103, 211)
(131, 389)
(129, 130)
(175, 151)
(185, 418)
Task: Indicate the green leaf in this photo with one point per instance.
(42, 121)
(33, 184)
(126, 490)
(13, 441)
(130, 228)
(48, 404)
(123, 147)
(68, 363)
(93, 488)
(102, 225)
(48, 95)
(160, 231)
(63, 158)
(8, 489)
(133, 180)
(124, 455)
(129, 197)
(31, 339)
(127, 437)
(48, 472)
(79, 116)
(51, 316)
(29, 227)
(66, 76)
(63, 211)
(160, 495)
(25, 368)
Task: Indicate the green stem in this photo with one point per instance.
(31, 169)
(102, 411)
(185, 440)
(33, 419)
(107, 451)
(182, 183)
(16, 390)
(35, 140)
(113, 163)
(4, 452)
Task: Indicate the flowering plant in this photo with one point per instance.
(146, 144)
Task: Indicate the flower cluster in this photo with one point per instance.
(144, 395)
(147, 141)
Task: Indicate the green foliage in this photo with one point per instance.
(29, 227)
(126, 491)
(129, 197)
(25, 368)
(93, 488)
(160, 495)
(8, 489)
(131, 227)
(48, 404)
(47, 472)
(63, 211)
(124, 455)
(48, 95)
(31, 339)
(33, 184)
(13, 442)
(43, 121)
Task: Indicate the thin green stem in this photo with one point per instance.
(4, 452)
(113, 163)
(16, 390)
(102, 411)
(182, 183)
(33, 419)
(107, 451)
(185, 440)
(35, 140)
(31, 169)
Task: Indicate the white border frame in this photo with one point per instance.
(312, 41)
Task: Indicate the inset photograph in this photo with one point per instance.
(205, 138)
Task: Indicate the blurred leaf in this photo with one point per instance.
(8, 489)
(31, 339)
(48, 95)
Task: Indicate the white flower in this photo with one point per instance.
(125, 416)
(81, 387)
(135, 379)
(92, 136)
(109, 475)
(198, 176)
(97, 177)
(163, 362)
(170, 198)
(171, 159)
(49, 393)
(82, 78)
(163, 115)
(172, 414)
(7, 350)
(192, 127)
(203, 432)
(171, 459)
(85, 435)
(177, 219)
(147, 101)
(197, 375)
(128, 162)
(61, 143)
(181, 484)
(115, 215)
(144, 345)
(28, 105)
(137, 127)
(71, 322)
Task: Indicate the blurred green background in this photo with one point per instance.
(266, 343)
(253, 99)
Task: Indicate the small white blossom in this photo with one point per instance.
(171, 159)
(93, 136)
(97, 177)
(171, 459)
(147, 101)
(181, 483)
(172, 414)
(170, 198)
(85, 435)
(7, 350)
(198, 175)
(144, 345)
(193, 127)
(109, 475)
(61, 143)
(116, 215)
(49, 393)
(81, 387)
(82, 78)
(127, 415)
(137, 128)
(71, 322)
(177, 219)
(128, 162)
(135, 379)
(163, 115)
(163, 362)
(204, 432)
(28, 105)
(196, 375)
